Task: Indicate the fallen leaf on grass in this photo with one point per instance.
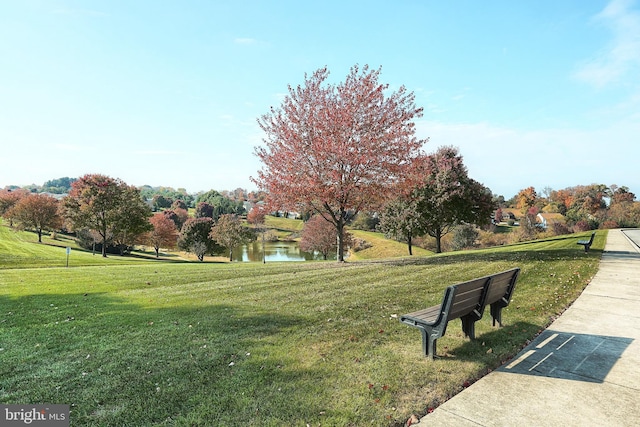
(413, 420)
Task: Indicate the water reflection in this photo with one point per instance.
(275, 251)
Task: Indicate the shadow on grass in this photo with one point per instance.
(119, 363)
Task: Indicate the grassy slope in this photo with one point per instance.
(277, 344)
(382, 247)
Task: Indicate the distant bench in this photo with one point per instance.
(587, 243)
(465, 301)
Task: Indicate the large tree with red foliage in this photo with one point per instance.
(338, 149)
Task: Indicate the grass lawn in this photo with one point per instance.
(142, 342)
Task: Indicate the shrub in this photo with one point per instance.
(559, 228)
(358, 244)
(464, 236)
(489, 239)
(610, 224)
(581, 225)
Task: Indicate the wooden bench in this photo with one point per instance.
(587, 243)
(465, 301)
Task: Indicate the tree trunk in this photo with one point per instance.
(230, 254)
(438, 237)
(409, 243)
(39, 235)
(340, 228)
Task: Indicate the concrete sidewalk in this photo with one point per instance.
(584, 370)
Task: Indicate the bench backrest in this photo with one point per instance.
(502, 286)
(468, 297)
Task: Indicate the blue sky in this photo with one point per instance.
(542, 93)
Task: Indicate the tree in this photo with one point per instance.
(621, 194)
(221, 205)
(58, 186)
(526, 198)
(178, 216)
(529, 225)
(319, 235)
(204, 209)
(256, 215)
(179, 204)
(588, 204)
(8, 199)
(164, 233)
(131, 219)
(160, 202)
(400, 220)
(498, 216)
(337, 149)
(448, 197)
(38, 212)
(229, 233)
(195, 237)
(105, 205)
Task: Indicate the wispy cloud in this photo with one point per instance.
(622, 55)
(158, 152)
(78, 12)
(245, 41)
(71, 147)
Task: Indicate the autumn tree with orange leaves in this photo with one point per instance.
(164, 233)
(338, 149)
(38, 212)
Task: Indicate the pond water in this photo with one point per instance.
(275, 251)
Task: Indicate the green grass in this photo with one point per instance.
(382, 247)
(201, 344)
(284, 228)
(21, 249)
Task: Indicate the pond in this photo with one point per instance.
(275, 251)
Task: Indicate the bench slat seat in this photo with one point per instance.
(465, 301)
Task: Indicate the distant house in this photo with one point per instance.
(545, 220)
(506, 216)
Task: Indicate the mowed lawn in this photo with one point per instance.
(218, 344)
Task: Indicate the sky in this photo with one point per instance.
(542, 93)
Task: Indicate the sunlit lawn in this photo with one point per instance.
(318, 343)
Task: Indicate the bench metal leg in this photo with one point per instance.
(469, 327)
(496, 314)
(428, 344)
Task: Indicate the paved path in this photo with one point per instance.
(584, 370)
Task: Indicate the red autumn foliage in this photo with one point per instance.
(338, 149)
(164, 233)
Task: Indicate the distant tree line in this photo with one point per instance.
(110, 216)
